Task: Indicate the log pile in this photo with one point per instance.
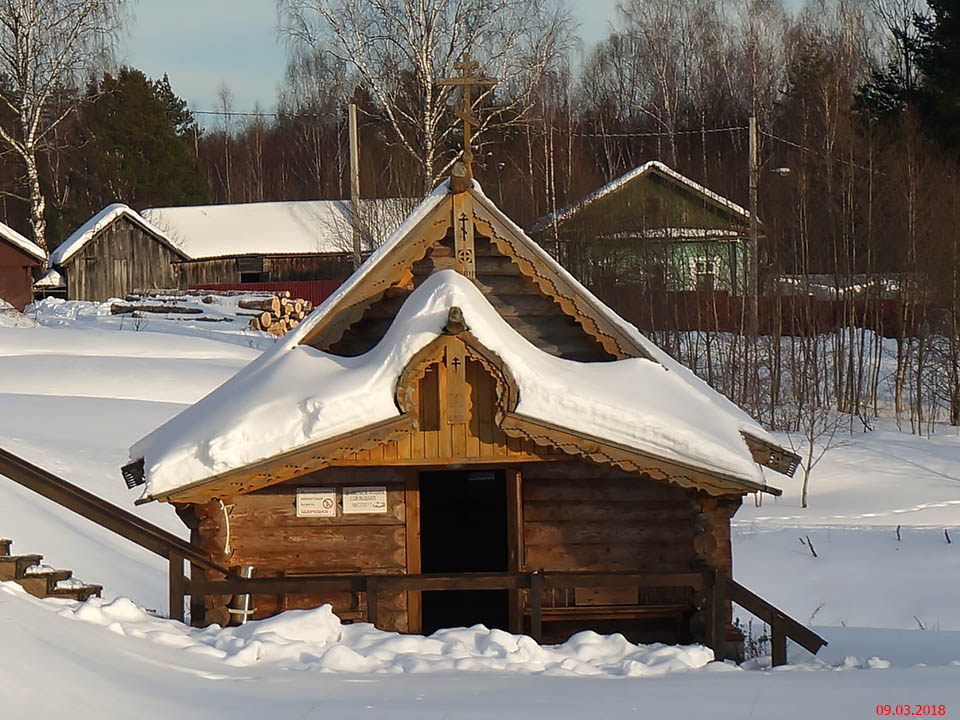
(278, 313)
(272, 312)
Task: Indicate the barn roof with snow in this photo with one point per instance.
(458, 281)
(273, 228)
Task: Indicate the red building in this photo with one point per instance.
(18, 260)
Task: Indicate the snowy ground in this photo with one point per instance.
(76, 392)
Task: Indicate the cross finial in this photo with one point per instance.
(467, 80)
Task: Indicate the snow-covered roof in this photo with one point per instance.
(269, 228)
(617, 183)
(295, 395)
(19, 241)
(88, 231)
(51, 279)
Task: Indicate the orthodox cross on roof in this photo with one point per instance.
(467, 80)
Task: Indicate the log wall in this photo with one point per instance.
(121, 258)
(276, 268)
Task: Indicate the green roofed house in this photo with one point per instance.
(654, 228)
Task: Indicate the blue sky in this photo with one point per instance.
(202, 44)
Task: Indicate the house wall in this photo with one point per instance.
(573, 515)
(122, 258)
(274, 268)
(16, 275)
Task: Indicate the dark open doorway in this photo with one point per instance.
(463, 528)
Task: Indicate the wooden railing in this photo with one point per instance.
(105, 514)
(719, 589)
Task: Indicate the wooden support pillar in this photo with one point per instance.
(178, 586)
(198, 602)
(536, 603)
(515, 544)
(411, 498)
(718, 619)
(778, 641)
(372, 601)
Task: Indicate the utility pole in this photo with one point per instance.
(354, 183)
(752, 288)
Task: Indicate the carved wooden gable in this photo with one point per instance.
(469, 235)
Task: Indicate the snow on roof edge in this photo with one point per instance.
(678, 423)
(86, 232)
(618, 182)
(748, 424)
(28, 246)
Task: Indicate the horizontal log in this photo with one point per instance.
(636, 490)
(524, 305)
(121, 309)
(622, 513)
(640, 557)
(270, 304)
(610, 532)
(330, 539)
(488, 265)
(501, 285)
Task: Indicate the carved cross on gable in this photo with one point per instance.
(467, 80)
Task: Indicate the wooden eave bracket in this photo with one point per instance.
(289, 464)
(611, 453)
(772, 456)
(578, 306)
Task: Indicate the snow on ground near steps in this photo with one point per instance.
(111, 660)
(71, 401)
(863, 576)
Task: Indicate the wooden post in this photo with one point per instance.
(778, 642)
(198, 601)
(411, 498)
(752, 288)
(536, 601)
(372, 599)
(177, 586)
(718, 620)
(354, 182)
(515, 544)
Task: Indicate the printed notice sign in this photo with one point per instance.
(371, 499)
(316, 502)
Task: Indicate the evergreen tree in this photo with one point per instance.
(135, 147)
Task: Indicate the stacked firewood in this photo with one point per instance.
(278, 313)
(273, 312)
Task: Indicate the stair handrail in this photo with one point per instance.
(782, 626)
(101, 512)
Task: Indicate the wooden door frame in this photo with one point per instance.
(515, 559)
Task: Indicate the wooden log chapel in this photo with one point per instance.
(464, 434)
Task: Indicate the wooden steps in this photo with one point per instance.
(42, 581)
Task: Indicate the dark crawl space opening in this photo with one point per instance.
(463, 528)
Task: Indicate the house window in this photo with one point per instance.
(704, 274)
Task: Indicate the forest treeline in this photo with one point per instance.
(860, 99)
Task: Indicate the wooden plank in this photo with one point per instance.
(198, 607)
(748, 600)
(590, 510)
(718, 616)
(623, 579)
(372, 600)
(536, 606)
(444, 444)
(177, 585)
(607, 533)
(778, 642)
(456, 385)
(414, 618)
(515, 543)
(609, 557)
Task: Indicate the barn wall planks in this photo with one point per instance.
(121, 258)
(275, 268)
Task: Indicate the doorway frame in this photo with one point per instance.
(515, 549)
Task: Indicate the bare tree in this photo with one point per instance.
(400, 48)
(45, 46)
